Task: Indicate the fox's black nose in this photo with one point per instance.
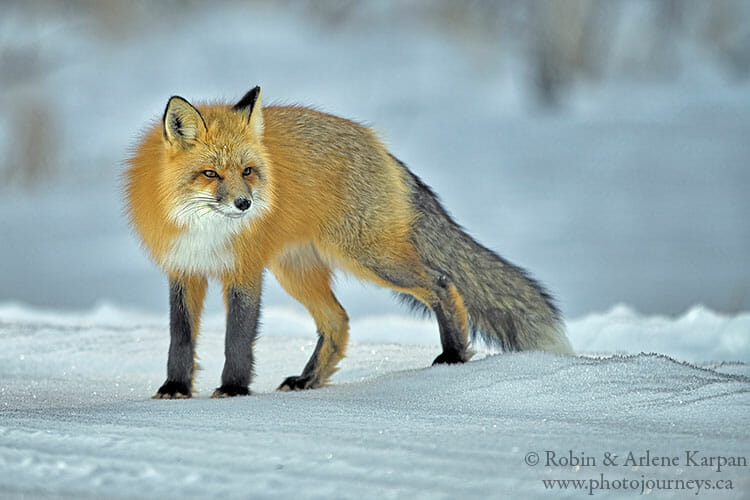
(242, 203)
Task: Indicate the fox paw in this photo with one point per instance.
(173, 390)
(451, 358)
(230, 391)
(298, 383)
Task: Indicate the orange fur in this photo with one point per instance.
(309, 169)
(224, 192)
(309, 200)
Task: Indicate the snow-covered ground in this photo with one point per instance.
(77, 421)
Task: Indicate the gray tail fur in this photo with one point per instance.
(506, 307)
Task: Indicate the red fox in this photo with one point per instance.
(224, 192)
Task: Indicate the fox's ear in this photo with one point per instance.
(183, 124)
(250, 105)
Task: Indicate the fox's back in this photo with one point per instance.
(336, 175)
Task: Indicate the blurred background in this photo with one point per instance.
(604, 146)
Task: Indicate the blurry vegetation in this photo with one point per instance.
(30, 157)
(554, 43)
(27, 122)
(562, 42)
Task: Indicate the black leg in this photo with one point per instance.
(454, 349)
(243, 307)
(309, 377)
(180, 361)
(452, 338)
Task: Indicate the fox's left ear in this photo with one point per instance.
(250, 105)
(183, 124)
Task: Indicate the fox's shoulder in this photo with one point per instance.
(296, 112)
(317, 129)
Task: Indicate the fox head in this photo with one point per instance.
(216, 167)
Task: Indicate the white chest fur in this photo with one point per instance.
(205, 244)
(205, 247)
(201, 251)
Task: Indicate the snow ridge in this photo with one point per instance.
(76, 418)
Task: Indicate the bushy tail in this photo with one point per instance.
(506, 307)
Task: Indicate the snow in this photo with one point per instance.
(698, 335)
(76, 418)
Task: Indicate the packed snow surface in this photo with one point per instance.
(77, 421)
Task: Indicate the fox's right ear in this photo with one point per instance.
(250, 106)
(183, 124)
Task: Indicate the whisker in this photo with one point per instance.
(197, 200)
(198, 206)
(189, 211)
(197, 210)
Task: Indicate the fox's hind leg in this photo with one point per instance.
(433, 287)
(452, 320)
(307, 278)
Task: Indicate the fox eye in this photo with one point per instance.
(247, 171)
(210, 173)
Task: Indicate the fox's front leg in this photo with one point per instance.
(243, 308)
(185, 304)
(307, 278)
